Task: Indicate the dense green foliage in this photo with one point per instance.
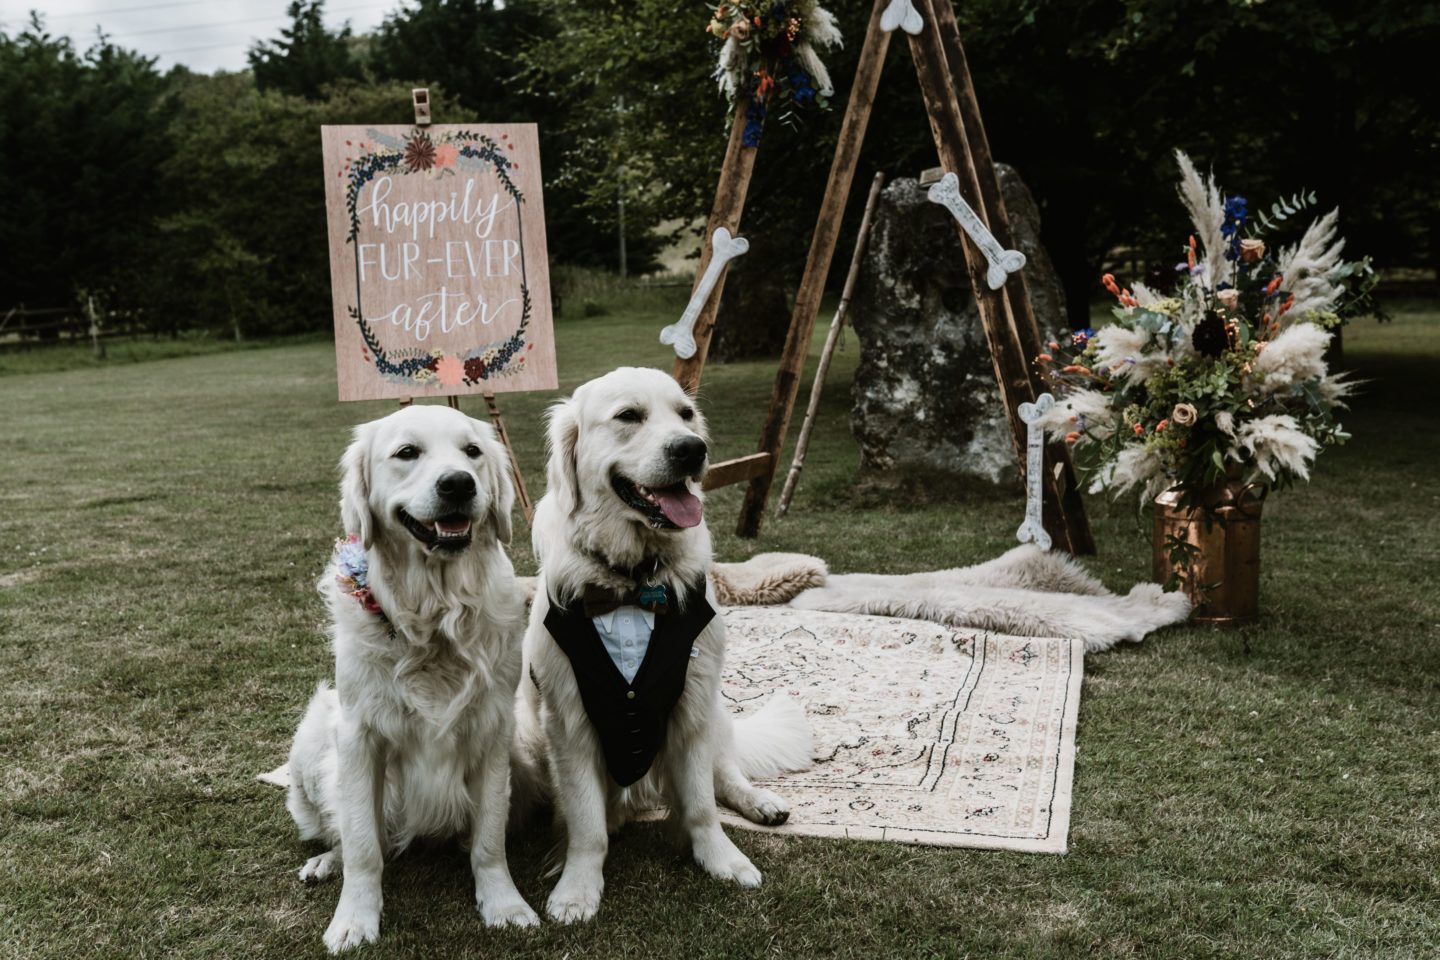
(197, 200)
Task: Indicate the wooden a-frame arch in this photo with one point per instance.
(1006, 314)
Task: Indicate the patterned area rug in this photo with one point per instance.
(923, 733)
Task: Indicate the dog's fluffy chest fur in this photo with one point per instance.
(427, 671)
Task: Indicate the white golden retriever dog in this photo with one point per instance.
(427, 620)
(622, 704)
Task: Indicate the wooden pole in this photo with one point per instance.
(735, 172)
(1068, 526)
(837, 323)
(996, 316)
(817, 267)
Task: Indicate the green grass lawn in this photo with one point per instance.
(1270, 792)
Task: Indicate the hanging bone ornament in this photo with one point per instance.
(1033, 530)
(681, 333)
(1002, 262)
(902, 14)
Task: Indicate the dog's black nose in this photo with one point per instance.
(687, 453)
(456, 486)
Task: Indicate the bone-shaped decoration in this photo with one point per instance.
(1002, 262)
(681, 333)
(1033, 529)
(902, 14)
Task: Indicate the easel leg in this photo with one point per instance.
(521, 493)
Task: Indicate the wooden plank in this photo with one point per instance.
(817, 266)
(730, 193)
(738, 470)
(1068, 525)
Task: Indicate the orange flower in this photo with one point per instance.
(1110, 284)
(1054, 345)
(450, 370)
(1045, 358)
(1071, 437)
(1161, 425)
(1076, 368)
(1139, 429)
(445, 155)
(1289, 302)
(1190, 254)
(1273, 285)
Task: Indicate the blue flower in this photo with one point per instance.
(1236, 210)
(754, 123)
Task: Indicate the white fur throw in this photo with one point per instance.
(1026, 592)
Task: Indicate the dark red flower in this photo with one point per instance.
(420, 152)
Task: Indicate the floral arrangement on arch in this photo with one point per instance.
(1224, 378)
(769, 52)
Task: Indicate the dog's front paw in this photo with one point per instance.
(352, 928)
(509, 912)
(573, 902)
(721, 858)
(764, 807)
(320, 868)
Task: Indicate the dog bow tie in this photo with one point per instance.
(600, 601)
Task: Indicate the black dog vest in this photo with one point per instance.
(630, 718)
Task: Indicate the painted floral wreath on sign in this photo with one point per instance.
(435, 156)
(769, 53)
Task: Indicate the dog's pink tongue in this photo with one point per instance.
(680, 506)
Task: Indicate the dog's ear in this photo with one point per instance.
(562, 472)
(495, 465)
(355, 488)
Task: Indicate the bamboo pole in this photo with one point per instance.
(817, 267)
(837, 323)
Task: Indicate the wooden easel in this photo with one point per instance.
(420, 97)
(1006, 314)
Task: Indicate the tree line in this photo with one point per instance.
(196, 201)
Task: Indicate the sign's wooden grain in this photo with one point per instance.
(438, 266)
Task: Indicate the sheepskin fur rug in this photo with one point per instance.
(1025, 592)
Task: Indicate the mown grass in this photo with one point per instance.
(1268, 792)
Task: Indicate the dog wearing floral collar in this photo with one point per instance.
(426, 622)
(624, 649)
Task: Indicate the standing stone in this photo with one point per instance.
(926, 404)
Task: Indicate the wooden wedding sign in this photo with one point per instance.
(438, 267)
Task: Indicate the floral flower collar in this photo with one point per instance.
(352, 573)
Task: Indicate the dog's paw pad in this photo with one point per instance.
(514, 913)
(352, 929)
